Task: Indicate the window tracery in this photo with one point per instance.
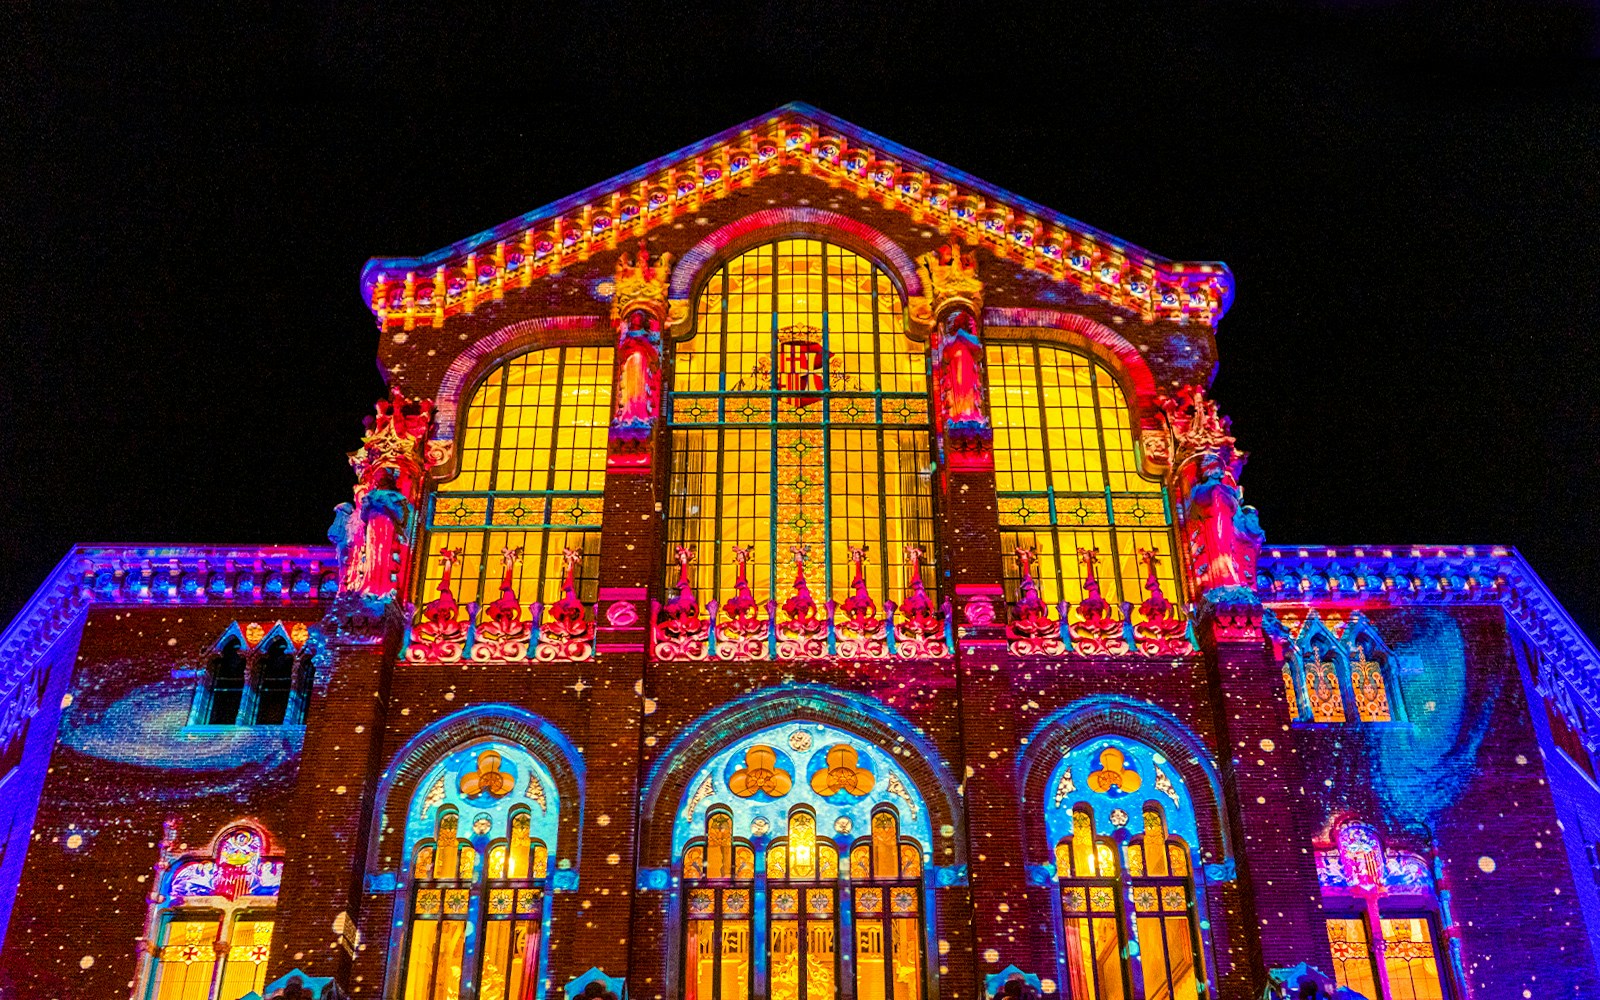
(1067, 476)
(531, 483)
(210, 924)
(1383, 924)
(820, 824)
(259, 675)
(1124, 873)
(799, 417)
(1349, 677)
(479, 833)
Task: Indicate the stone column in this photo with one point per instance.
(319, 904)
(1263, 778)
(1010, 919)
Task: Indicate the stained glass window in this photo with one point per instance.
(1067, 476)
(799, 417)
(532, 476)
(1352, 955)
(838, 814)
(213, 926)
(1124, 827)
(479, 829)
(1384, 928)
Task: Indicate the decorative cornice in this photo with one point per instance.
(1436, 575)
(129, 575)
(404, 292)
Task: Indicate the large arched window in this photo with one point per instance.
(1123, 827)
(827, 829)
(479, 834)
(1067, 476)
(799, 417)
(212, 929)
(532, 450)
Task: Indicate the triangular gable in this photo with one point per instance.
(407, 292)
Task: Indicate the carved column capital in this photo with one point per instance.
(640, 285)
(949, 279)
(1221, 537)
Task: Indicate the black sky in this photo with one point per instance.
(1408, 195)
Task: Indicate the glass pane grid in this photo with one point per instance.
(778, 417)
(532, 476)
(1067, 478)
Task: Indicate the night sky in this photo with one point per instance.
(1408, 197)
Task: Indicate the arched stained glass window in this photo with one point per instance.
(213, 927)
(1373, 893)
(479, 834)
(532, 449)
(1067, 476)
(799, 416)
(808, 811)
(1123, 828)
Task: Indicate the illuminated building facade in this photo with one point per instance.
(797, 570)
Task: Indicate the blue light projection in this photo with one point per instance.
(762, 777)
(1115, 776)
(484, 781)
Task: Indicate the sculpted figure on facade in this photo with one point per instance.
(373, 534)
(638, 310)
(1221, 536)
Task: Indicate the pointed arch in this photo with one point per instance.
(476, 821)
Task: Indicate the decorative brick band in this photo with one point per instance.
(447, 400)
(687, 272)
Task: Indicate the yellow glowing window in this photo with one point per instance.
(246, 968)
(799, 417)
(1067, 476)
(187, 958)
(532, 450)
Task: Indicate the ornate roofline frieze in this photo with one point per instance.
(405, 292)
(134, 575)
(1437, 575)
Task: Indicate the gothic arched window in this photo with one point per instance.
(1067, 476)
(1382, 918)
(479, 834)
(799, 417)
(212, 932)
(1342, 678)
(1123, 829)
(532, 452)
(260, 675)
(797, 814)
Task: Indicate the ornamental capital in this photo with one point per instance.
(639, 284)
(395, 439)
(1196, 428)
(949, 278)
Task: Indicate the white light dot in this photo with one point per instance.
(1268, 746)
(603, 819)
(613, 859)
(340, 790)
(85, 961)
(991, 956)
(1486, 865)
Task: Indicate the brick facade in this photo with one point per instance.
(1470, 779)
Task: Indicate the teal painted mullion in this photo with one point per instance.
(772, 437)
(1105, 479)
(827, 437)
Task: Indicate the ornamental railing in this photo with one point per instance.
(1093, 628)
(800, 629)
